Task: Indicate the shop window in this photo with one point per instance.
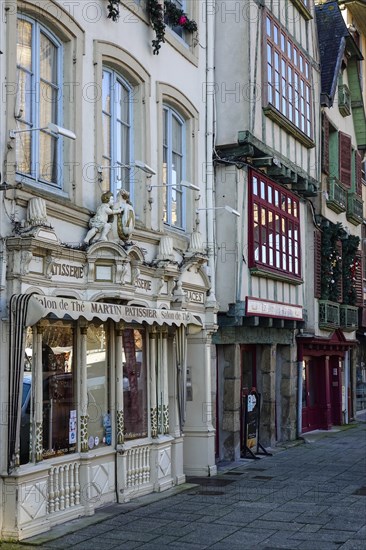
(134, 383)
(288, 77)
(59, 400)
(39, 74)
(174, 160)
(97, 386)
(117, 114)
(274, 227)
(27, 401)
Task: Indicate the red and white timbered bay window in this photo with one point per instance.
(288, 77)
(274, 227)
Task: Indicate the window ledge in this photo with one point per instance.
(260, 271)
(181, 46)
(282, 121)
(302, 9)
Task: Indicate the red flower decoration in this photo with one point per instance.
(182, 20)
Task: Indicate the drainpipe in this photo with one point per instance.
(346, 412)
(300, 366)
(210, 84)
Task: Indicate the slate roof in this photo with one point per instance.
(332, 35)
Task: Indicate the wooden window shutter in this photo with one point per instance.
(358, 167)
(317, 264)
(325, 145)
(340, 281)
(345, 159)
(359, 280)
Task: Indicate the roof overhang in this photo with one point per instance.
(358, 10)
(40, 307)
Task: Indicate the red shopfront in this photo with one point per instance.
(325, 383)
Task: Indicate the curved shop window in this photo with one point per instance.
(134, 383)
(99, 420)
(49, 430)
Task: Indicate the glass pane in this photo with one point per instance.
(59, 404)
(134, 383)
(23, 150)
(176, 169)
(255, 186)
(24, 45)
(125, 105)
(48, 158)
(106, 136)
(97, 384)
(263, 190)
(268, 26)
(275, 34)
(176, 135)
(304, 390)
(277, 199)
(48, 60)
(24, 96)
(27, 402)
(48, 104)
(283, 43)
(106, 92)
(165, 127)
(122, 144)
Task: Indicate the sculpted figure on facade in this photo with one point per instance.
(99, 224)
(125, 217)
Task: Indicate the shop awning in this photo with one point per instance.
(41, 306)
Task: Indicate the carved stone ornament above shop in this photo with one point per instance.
(119, 215)
(36, 223)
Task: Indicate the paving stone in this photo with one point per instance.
(277, 525)
(209, 534)
(353, 544)
(308, 545)
(247, 538)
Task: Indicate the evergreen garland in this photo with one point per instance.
(331, 262)
(155, 11)
(169, 14)
(113, 9)
(351, 266)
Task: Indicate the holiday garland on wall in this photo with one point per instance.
(340, 264)
(331, 262)
(351, 267)
(160, 15)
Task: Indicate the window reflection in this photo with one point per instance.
(134, 383)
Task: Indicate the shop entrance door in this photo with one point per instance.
(248, 380)
(313, 394)
(335, 373)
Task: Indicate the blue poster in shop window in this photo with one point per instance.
(107, 428)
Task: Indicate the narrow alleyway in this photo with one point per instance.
(309, 496)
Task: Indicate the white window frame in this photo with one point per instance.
(114, 171)
(170, 188)
(33, 176)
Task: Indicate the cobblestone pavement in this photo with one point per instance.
(309, 496)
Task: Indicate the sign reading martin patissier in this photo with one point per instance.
(40, 306)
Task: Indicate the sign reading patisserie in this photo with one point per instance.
(68, 270)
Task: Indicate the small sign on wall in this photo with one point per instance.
(189, 392)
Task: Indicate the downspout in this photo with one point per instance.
(210, 83)
(300, 365)
(346, 412)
